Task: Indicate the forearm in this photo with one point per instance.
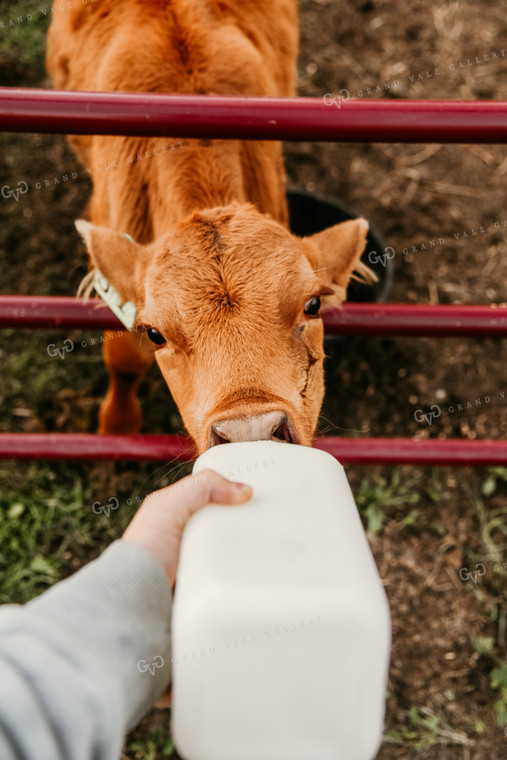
(74, 673)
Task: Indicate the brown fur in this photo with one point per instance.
(214, 267)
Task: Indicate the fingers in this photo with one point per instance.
(196, 491)
(159, 523)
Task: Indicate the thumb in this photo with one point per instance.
(205, 487)
(160, 521)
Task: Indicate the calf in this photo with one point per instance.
(229, 301)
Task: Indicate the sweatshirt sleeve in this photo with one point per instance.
(81, 664)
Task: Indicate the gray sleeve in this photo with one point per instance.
(82, 663)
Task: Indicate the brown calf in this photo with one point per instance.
(229, 297)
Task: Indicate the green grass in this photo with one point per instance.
(158, 745)
(496, 476)
(383, 498)
(47, 526)
(490, 504)
(38, 520)
(422, 729)
(34, 381)
(23, 38)
(493, 521)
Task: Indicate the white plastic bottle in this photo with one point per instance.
(281, 627)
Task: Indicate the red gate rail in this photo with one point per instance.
(388, 451)
(93, 446)
(332, 119)
(352, 318)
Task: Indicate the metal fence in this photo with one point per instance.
(33, 110)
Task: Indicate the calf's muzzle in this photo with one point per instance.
(274, 426)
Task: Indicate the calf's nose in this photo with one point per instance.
(274, 426)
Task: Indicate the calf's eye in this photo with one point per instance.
(312, 306)
(155, 336)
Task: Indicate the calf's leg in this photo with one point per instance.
(127, 363)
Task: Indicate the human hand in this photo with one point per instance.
(159, 523)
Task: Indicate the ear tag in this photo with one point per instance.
(126, 312)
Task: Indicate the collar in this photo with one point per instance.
(126, 312)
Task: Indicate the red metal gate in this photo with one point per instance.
(32, 110)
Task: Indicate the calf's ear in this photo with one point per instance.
(335, 256)
(118, 258)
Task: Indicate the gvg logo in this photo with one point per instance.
(143, 666)
(99, 508)
(381, 258)
(65, 348)
(466, 575)
(342, 97)
(428, 417)
(15, 192)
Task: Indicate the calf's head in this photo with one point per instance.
(231, 304)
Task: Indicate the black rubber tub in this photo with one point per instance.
(310, 213)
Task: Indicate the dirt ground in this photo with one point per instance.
(441, 704)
